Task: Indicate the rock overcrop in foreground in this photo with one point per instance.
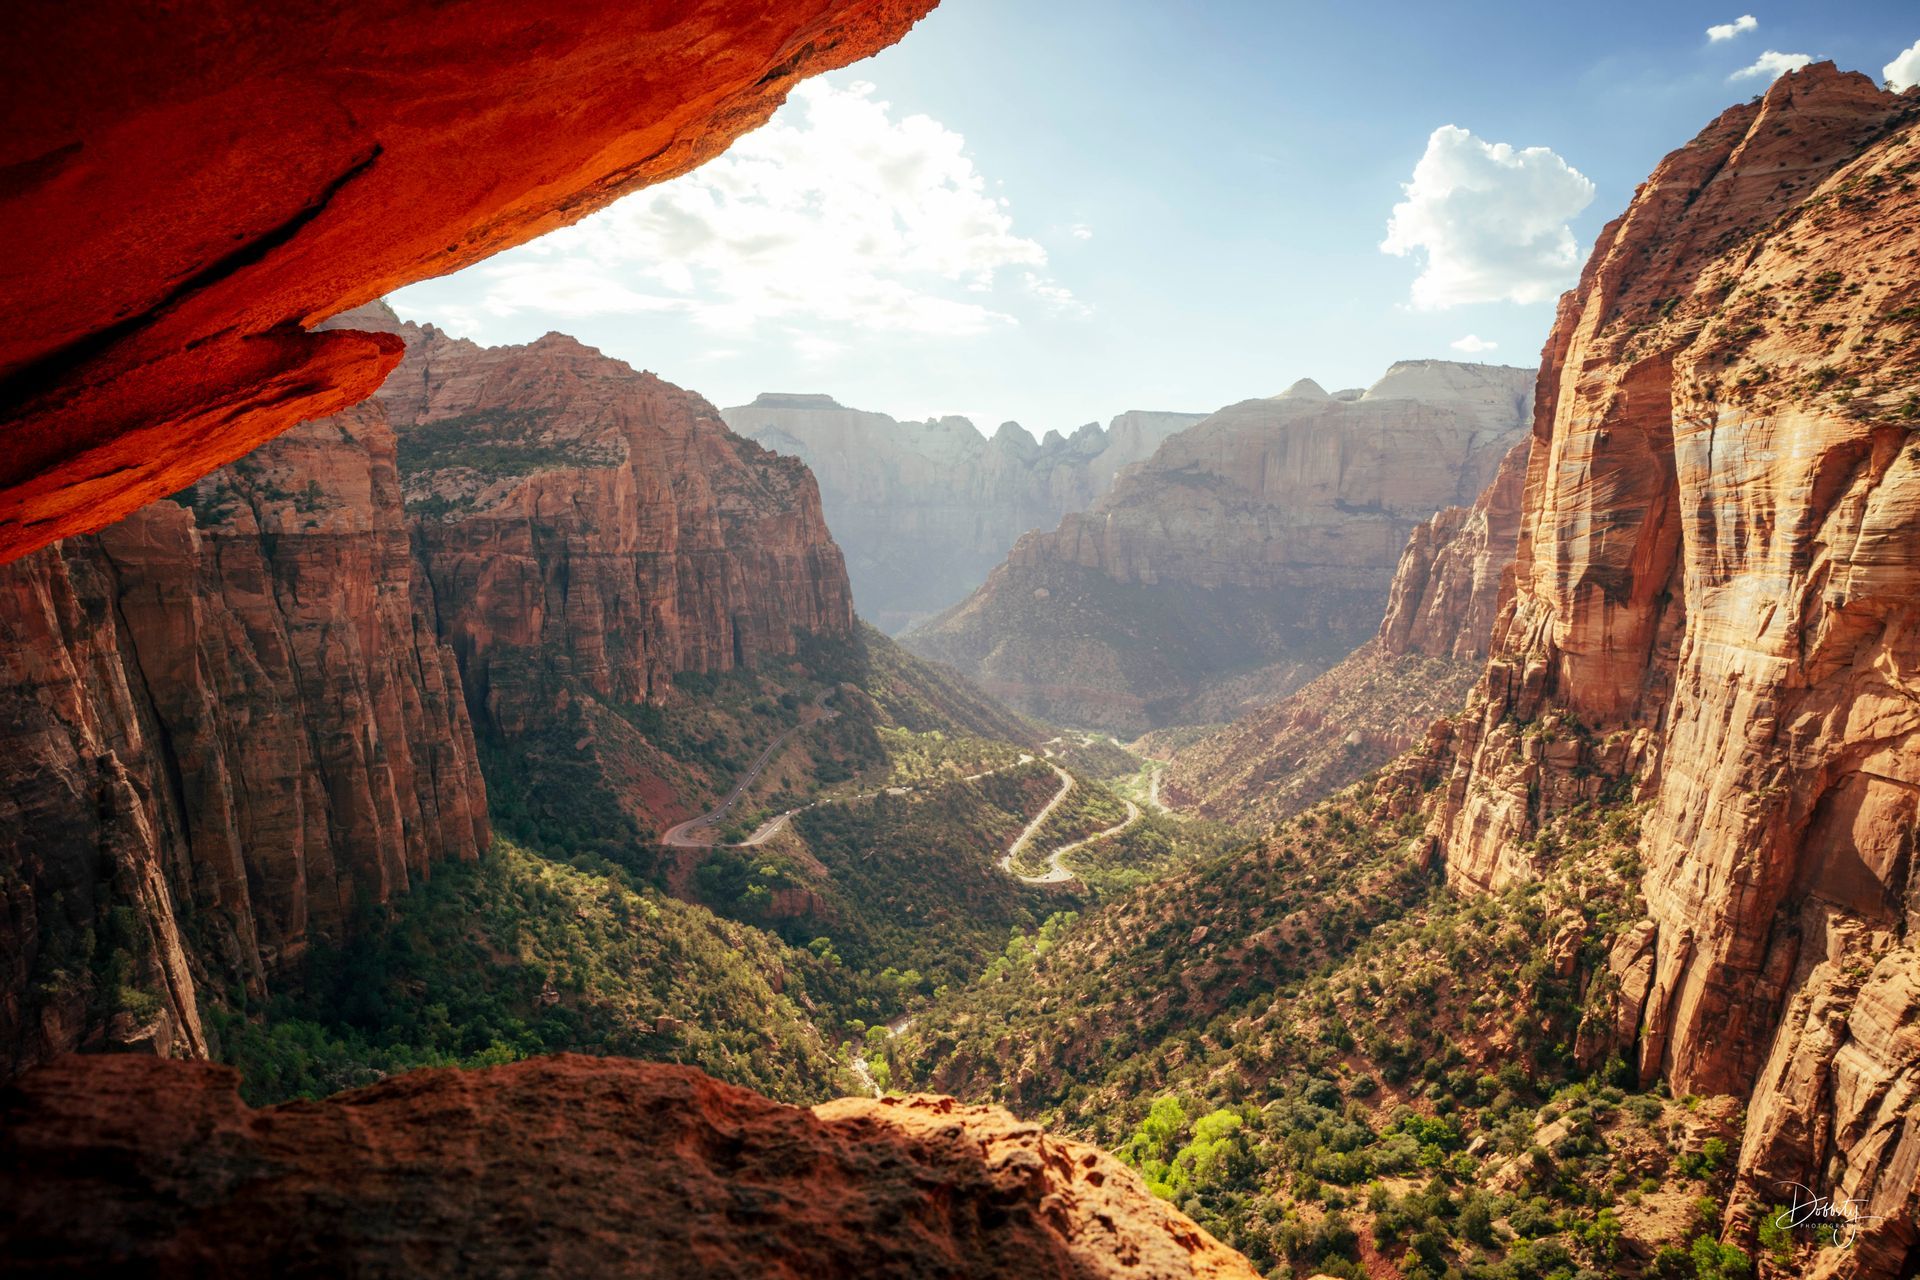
(557, 1166)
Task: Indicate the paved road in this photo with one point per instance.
(682, 837)
(1053, 859)
(772, 826)
(1055, 872)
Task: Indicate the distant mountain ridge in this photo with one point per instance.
(924, 510)
(1251, 553)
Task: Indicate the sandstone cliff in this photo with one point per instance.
(1259, 544)
(520, 1170)
(226, 721)
(1376, 702)
(1714, 601)
(588, 532)
(923, 510)
(213, 180)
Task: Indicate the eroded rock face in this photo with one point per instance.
(589, 531)
(924, 510)
(1446, 590)
(1260, 543)
(223, 722)
(560, 1166)
(189, 189)
(1715, 596)
(1379, 700)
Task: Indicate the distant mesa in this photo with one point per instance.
(794, 400)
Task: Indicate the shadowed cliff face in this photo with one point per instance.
(1257, 546)
(188, 188)
(561, 1166)
(589, 531)
(1716, 588)
(223, 723)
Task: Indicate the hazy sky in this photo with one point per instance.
(1054, 212)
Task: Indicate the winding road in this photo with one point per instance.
(681, 836)
(1055, 873)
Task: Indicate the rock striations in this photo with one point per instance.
(211, 180)
(923, 510)
(224, 722)
(560, 1166)
(589, 531)
(232, 721)
(1259, 544)
(1716, 599)
(1378, 701)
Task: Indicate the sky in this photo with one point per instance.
(1052, 213)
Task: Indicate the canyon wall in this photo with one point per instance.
(210, 181)
(226, 723)
(1379, 700)
(1716, 601)
(924, 510)
(1249, 555)
(588, 532)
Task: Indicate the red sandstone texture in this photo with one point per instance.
(568, 504)
(559, 1166)
(223, 721)
(1378, 701)
(588, 532)
(188, 189)
(1717, 595)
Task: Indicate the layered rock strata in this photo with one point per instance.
(520, 1170)
(1262, 541)
(226, 723)
(1716, 600)
(589, 531)
(1378, 701)
(189, 190)
(923, 510)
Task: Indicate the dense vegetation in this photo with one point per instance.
(497, 444)
(1329, 1059)
(517, 955)
(885, 879)
(901, 888)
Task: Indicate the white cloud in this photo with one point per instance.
(1904, 71)
(1055, 296)
(1490, 220)
(1080, 231)
(1473, 344)
(1728, 30)
(1772, 64)
(837, 217)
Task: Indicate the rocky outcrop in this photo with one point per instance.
(1263, 540)
(589, 532)
(189, 190)
(225, 723)
(519, 1170)
(1446, 590)
(923, 510)
(1716, 600)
